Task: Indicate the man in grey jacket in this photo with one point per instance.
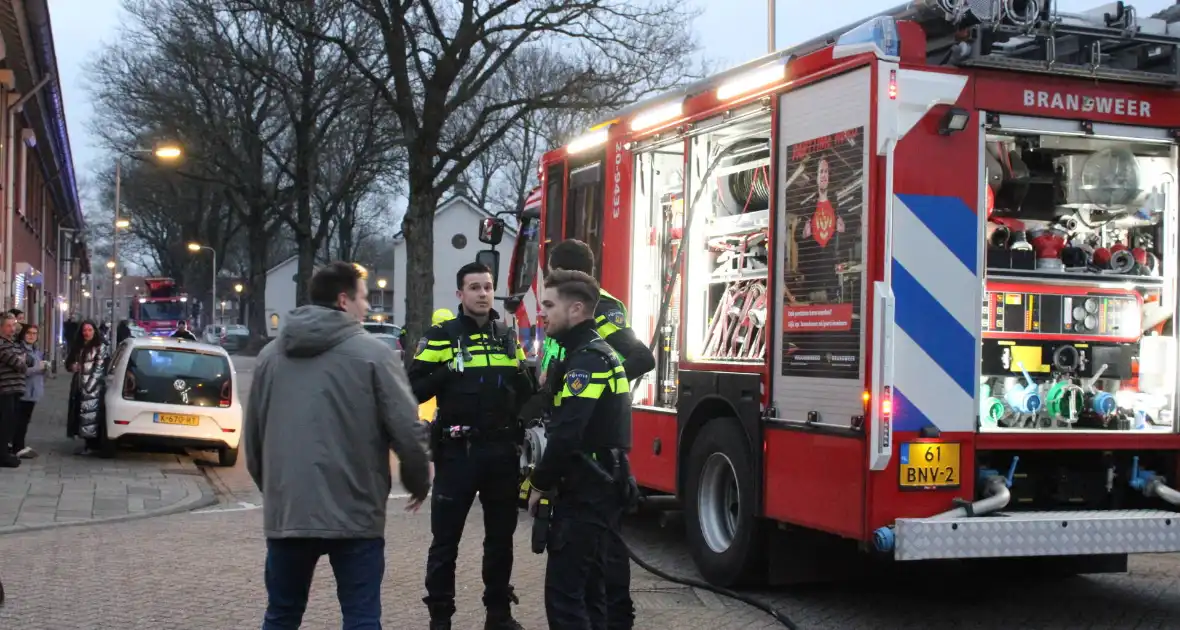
(327, 403)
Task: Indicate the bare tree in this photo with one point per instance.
(175, 71)
(339, 138)
(460, 75)
(501, 178)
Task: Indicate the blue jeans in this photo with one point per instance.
(358, 564)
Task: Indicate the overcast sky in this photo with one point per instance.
(732, 31)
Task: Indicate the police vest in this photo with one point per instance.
(611, 425)
(483, 365)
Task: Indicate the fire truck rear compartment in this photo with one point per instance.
(1077, 328)
(1078, 353)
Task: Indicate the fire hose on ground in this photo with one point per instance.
(534, 448)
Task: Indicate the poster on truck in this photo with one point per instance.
(823, 256)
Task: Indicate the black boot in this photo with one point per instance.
(501, 620)
(440, 617)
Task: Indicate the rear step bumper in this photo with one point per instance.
(1024, 534)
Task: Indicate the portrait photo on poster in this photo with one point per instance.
(823, 205)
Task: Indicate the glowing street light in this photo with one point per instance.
(122, 224)
(381, 283)
(168, 152)
(239, 288)
(110, 264)
(197, 247)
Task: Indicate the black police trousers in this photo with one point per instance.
(575, 575)
(491, 470)
(620, 609)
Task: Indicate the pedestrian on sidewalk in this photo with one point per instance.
(34, 387)
(87, 361)
(327, 403)
(14, 362)
(122, 332)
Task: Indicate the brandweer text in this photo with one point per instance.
(1130, 107)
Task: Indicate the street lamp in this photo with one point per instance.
(197, 247)
(381, 285)
(164, 152)
(238, 288)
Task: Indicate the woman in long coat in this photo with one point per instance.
(87, 361)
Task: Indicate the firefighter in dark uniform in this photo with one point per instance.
(472, 365)
(583, 468)
(610, 320)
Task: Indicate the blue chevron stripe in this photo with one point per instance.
(951, 221)
(907, 417)
(939, 334)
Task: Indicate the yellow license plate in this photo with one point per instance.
(929, 465)
(174, 418)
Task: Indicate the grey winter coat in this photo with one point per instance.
(327, 403)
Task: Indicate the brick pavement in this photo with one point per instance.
(204, 570)
(59, 488)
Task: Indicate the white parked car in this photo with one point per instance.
(173, 392)
(392, 341)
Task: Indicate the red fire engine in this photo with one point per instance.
(910, 286)
(161, 309)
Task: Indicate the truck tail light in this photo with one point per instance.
(893, 85)
(226, 393)
(887, 402)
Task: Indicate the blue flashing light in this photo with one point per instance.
(881, 32)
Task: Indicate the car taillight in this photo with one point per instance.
(129, 387)
(226, 393)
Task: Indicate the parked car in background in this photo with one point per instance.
(172, 392)
(213, 335)
(231, 337)
(384, 328)
(393, 341)
(235, 337)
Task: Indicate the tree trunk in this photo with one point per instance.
(256, 295)
(304, 154)
(345, 227)
(418, 227)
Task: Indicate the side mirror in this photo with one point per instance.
(491, 231)
(490, 258)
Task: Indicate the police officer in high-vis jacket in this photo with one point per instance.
(610, 316)
(472, 365)
(610, 320)
(583, 467)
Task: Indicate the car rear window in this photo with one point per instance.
(178, 377)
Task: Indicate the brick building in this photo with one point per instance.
(42, 259)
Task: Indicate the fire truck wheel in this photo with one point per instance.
(725, 536)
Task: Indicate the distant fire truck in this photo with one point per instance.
(161, 309)
(910, 286)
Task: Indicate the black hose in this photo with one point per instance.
(778, 615)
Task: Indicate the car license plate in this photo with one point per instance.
(175, 418)
(927, 465)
